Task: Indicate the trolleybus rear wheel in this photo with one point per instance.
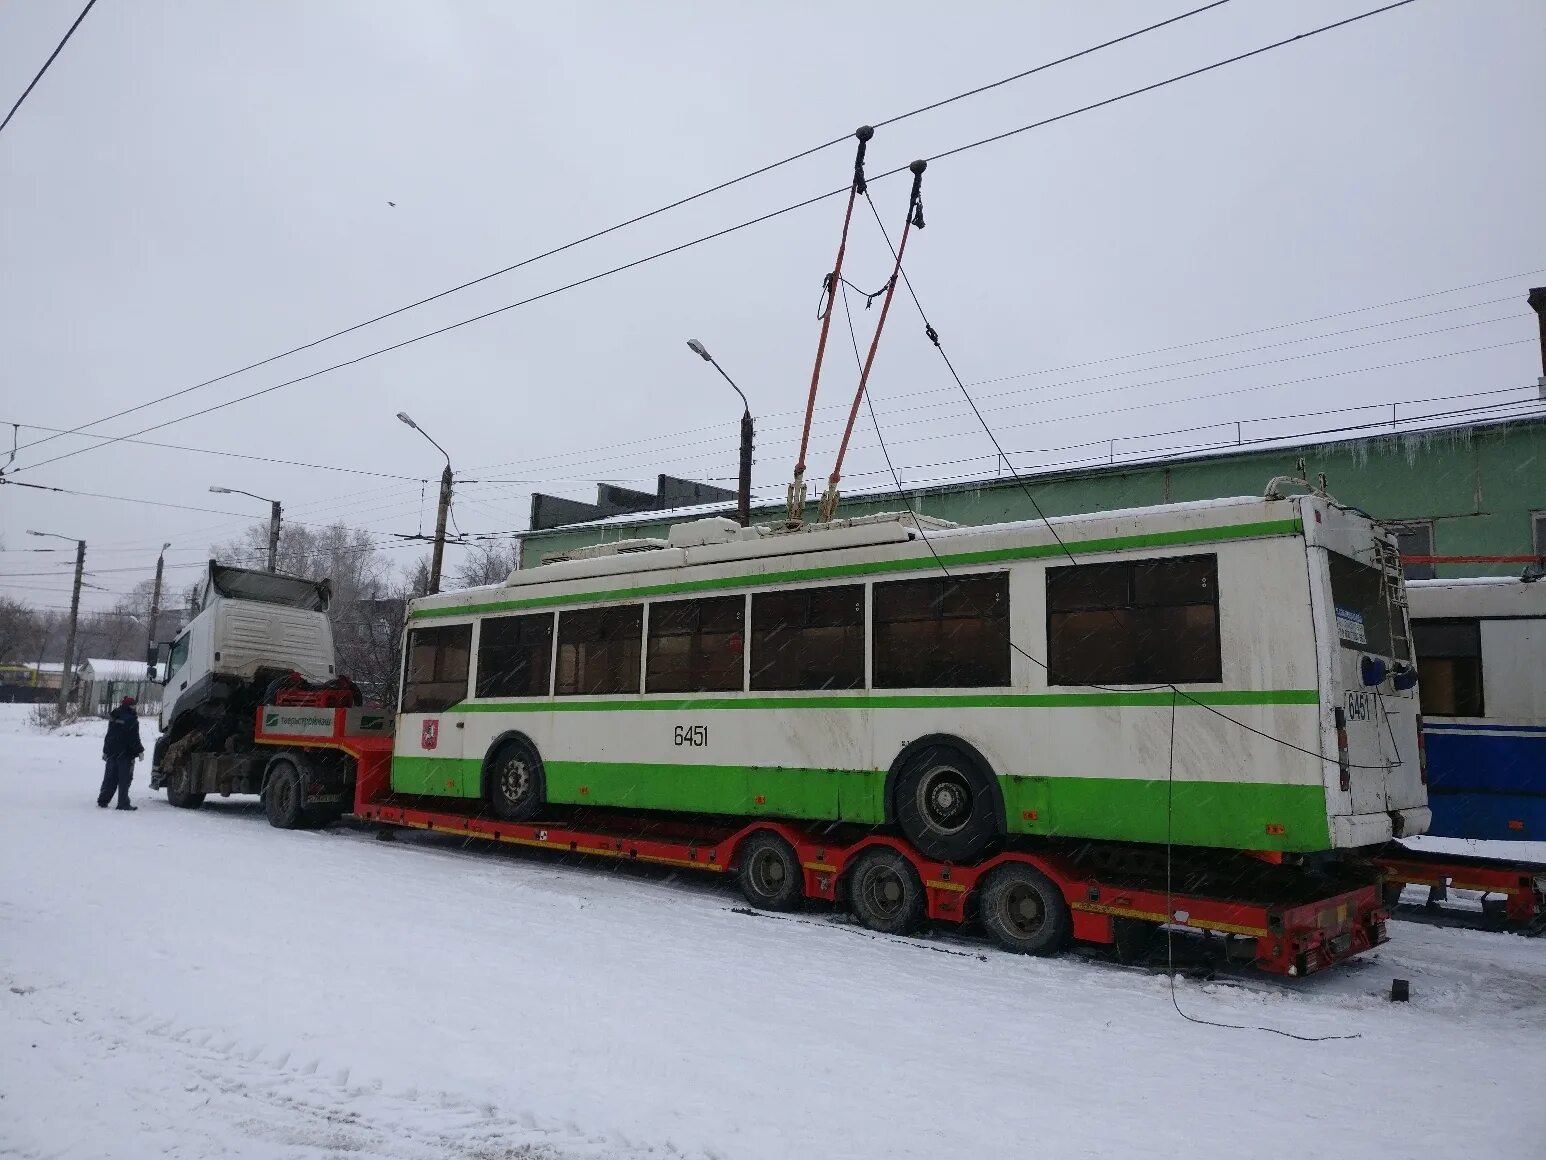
(515, 781)
(770, 875)
(1024, 911)
(177, 797)
(945, 803)
(884, 892)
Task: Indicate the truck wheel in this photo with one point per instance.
(282, 797)
(884, 892)
(945, 804)
(1024, 911)
(182, 799)
(516, 785)
(770, 874)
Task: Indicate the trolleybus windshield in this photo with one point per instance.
(1366, 618)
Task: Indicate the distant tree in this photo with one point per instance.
(20, 627)
(488, 562)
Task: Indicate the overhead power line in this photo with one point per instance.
(57, 50)
(758, 172)
(760, 219)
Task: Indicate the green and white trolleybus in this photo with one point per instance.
(1233, 674)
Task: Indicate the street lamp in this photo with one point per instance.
(155, 615)
(75, 610)
(445, 506)
(273, 520)
(744, 501)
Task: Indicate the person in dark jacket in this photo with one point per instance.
(120, 750)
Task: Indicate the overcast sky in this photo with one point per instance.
(194, 186)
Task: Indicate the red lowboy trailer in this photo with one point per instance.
(1030, 898)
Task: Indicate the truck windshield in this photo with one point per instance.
(291, 591)
(1366, 621)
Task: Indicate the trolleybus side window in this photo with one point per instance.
(437, 668)
(942, 632)
(1134, 622)
(1449, 667)
(696, 646)
(1366, 620)
(515, 656)
(808, 638)
(598, 650)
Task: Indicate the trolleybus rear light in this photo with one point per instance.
(1343, 765)
(1422, 751)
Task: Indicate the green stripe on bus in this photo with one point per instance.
(1210, 697)
(1181, 537)
(1239, 815)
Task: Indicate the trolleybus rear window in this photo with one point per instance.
(515, 656)
(598, 650)
(696, 646)
(1366, 619)
(1449, 667)
(808, 638)
(942, 633)
(1134, 622)
(437, 668)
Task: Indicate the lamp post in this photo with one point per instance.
(744, 494)
(155, 615)
(65, 678)
(274, 511)
(445, 506)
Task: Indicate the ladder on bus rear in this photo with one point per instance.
(1387, 558)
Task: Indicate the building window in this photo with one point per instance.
(1141, 622)
(1415, 538)
(515, 655)
(942, 633)
(437, 668)
(1449, 667)
(808, 638)
(696, 646)
(598, 650)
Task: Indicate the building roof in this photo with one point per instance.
(103, 669)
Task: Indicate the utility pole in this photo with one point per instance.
(748, 435)
(273, 520)
(445, 506)
(440, 530)
(75, 611)
(273, 535)
(155, 615)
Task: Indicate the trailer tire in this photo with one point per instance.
(183, 800)
(884, 892)
(945, 802)
(517, 785)
(283, 798)
(770, 875)
(1024, 910)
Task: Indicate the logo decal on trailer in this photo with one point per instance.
(429, 737)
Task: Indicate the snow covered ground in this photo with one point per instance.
(200, 985)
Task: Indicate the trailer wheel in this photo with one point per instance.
(183, 800)
(282, 798)
(516, 784)
(1024, 911)
(884, 892)
(770, 874)
(945, 804)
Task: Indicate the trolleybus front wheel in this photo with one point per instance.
(515, 780)
(770, 874)
(1024, 911)
(884, 892)
(945, 803)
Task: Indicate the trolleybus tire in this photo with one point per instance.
(516, 783)
(884, 892)
(770, 874)
(180, 799)
(1024, 911)
(283, 800)
(945, 803)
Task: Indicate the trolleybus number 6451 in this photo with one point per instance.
(694, 735)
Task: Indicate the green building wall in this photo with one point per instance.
(1480, 486)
